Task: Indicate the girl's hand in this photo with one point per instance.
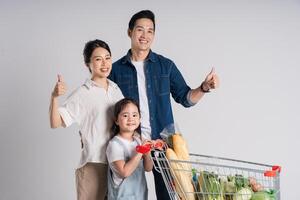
(60, 87)
(147, 142)
(158, 144)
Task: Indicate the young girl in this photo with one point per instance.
(90, 106)
(126, 179)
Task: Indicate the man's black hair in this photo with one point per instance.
(148, 14)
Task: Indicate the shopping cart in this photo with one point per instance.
(211, 177)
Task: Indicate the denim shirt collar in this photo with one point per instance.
(151, 57)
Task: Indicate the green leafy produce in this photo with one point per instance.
(237, 188)
(264, 195)
(230, 186)
(210, 186)
(243, 194)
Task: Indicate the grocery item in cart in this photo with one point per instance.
(264, 195)
(182, 179)
(202, 177)
(180, 147)
(209, 186)
(168, 132)
(216, 178)
(181, 171)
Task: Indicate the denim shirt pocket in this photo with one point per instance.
(162, 85)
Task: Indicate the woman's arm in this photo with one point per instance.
(55, 118)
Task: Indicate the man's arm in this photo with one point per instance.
(211, 82)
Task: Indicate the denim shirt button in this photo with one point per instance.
(148, 85)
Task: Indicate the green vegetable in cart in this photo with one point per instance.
(264, 195)
(229, 188)
(209, 186)
(241, 182)
(243, 194)
(237, 188)
(230, 185)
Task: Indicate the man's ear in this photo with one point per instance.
(129, 32)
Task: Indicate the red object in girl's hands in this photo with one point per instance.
(143, 148)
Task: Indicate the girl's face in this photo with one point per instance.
(128, 119)
(100, 64)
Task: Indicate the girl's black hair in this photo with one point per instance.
(119, 106)
(90, 46)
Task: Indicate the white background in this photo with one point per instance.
(254, 115)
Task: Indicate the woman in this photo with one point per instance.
(90, 106)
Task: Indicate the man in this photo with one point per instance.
(150, 78)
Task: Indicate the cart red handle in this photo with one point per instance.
(272, 173)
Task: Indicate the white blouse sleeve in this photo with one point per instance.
(72, 111)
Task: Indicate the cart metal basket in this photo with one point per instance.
(210, 177)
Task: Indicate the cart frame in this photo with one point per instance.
(268, 175)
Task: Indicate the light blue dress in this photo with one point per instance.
(133, 187)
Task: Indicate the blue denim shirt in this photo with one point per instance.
(162, 79)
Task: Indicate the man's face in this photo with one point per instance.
(142, 35)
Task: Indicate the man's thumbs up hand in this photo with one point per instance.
(211, 81)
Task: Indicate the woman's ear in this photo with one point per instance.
(88, 66)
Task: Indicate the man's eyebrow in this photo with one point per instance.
(144, 27)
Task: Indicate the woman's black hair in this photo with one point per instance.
(148, 14)
(90, 46)
(119, 106)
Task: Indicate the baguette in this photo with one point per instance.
(182, 171)
(180, 147)
(182, 152)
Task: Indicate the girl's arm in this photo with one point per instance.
(125, 169)
(55, 118)
(148, 164)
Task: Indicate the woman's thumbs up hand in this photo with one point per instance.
(60, 87)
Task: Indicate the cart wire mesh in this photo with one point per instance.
(210, 177)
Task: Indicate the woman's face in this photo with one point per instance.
(100, 63)
(129, 118)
